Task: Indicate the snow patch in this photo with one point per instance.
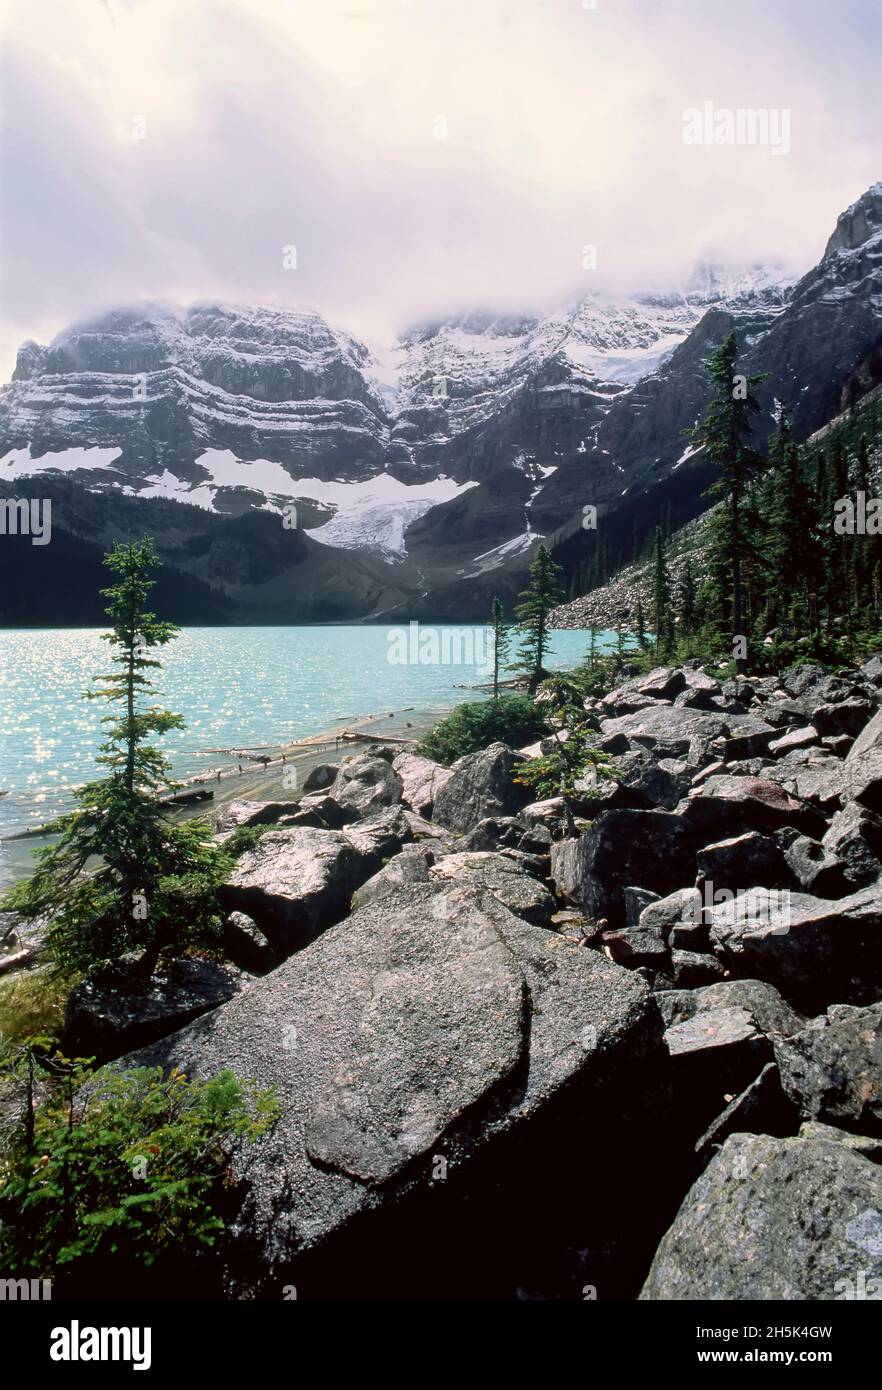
(492, 559)
(374, 513)
(19, 464)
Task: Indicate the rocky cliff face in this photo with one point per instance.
(447, 457)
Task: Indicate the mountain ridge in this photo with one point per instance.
(448, 456)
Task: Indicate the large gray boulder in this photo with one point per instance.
(815, 951)
(676, 733)
(636, 946)
(715, 1053)
(640, 849)
(833, 1073)
(568, 867)
(379, 838)
(870, 737)
(794, 739)
(845, 717)
(748, 737)
(643, 692)
(429, 834)
(812, 776)
(294, 883)
(691, 968)
(662, 683)
(682, 912)
(743, 860)
(726, 805)
(774, 1219)
(115, 1009)
(482, 785)
(494, 833)
(769, 1011)
(522, 894)
(864, 1144)
(642, 774)
(815, 868)
(813, 684)
(421, 781)
(320, 811)
(232, 815)
(366, 785)
(855, 838)
(863, 766)
(409, 867)
(429, 1032)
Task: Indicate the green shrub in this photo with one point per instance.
(512, 719)
(32, 1004)
(117, 1174)
(567, 762)
(245, 837)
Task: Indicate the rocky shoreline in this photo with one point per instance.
(645, 1060)
(261, 773)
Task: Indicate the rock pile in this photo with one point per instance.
(479, 1026)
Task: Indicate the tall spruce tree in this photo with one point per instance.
(501, 643)
(121, 877)
(542, 594)
(640, 621)
(725, 433)
(662, 616)
(686, 602)
(789, 532)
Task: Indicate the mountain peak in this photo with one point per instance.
(713, 280)
(858, 224)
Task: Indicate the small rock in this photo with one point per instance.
(794, 738)
(689, 969)
(741, 862)
(246, 945)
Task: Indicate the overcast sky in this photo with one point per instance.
(423, 156)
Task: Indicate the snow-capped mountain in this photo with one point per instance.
(438, 461)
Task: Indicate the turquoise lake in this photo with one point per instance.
(237, 688)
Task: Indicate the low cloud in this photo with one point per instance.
(422, 158)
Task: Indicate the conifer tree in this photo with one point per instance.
(725, 433)
(662, 617)
(641, 626)
(501, 643)
(686, 600)
(153, 881)
(592, 648)
(542, 594)
(789, 542)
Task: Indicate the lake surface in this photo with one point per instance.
(237, 688)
